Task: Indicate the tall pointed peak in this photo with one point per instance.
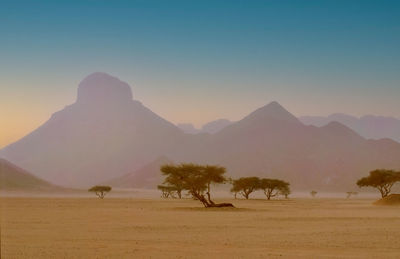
(274, 104)
(101, 87)
(274, 111)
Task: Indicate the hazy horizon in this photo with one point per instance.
(314, 59)
(34, 122)
(199, 129)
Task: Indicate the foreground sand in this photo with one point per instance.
(155, 228)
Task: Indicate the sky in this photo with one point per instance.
(196, 61)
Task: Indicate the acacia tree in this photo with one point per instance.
(235, 192)
(273, 187)
(349, 194)
(245, 186)
(174, 184)
(313, 193)
(285, 191)
(196, 179)
(100, 190)
(381, 179)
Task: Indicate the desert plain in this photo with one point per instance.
(124, 227)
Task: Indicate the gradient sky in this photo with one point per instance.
(196, 61)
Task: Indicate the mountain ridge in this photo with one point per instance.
(368, 126)
(14, 178)
(83, 145)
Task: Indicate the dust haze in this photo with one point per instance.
(199, 129)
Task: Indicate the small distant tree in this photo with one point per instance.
(196, 179)
(245, 186)
(313, 193)
(349, 194)
(173, 182)
(285, 191)
(381, 179)
(100, 190)
(167, 191)
(273, 187)
(230, 180)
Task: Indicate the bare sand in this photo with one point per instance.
(155, 228)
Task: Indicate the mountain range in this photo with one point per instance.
(210, 127)
(369, 126)
(107, 136)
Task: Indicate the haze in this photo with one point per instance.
(314, 59)
(199, 129)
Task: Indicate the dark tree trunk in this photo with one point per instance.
(383, 192)
(269, 194)
(211, 204)
(220, 205)
(164, 194)
(100, 195)
(209, 195)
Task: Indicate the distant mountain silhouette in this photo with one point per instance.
(188, 128)
(14, 178)
(106, 136)
(215, 126)
(369, 126)
(210, 127)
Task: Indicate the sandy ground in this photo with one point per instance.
(156, 228)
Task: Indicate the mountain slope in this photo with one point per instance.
(102, 135)
(211, 127)
(188, 128)
(17, 179)
(369, 126)
(148, 176)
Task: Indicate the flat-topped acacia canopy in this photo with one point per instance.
(100, 190)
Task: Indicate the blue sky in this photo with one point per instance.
(194, 61)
